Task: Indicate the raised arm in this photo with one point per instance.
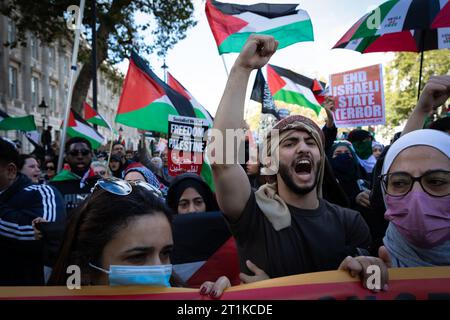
(434, 94)
(232, 185)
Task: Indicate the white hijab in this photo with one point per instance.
(404, 254)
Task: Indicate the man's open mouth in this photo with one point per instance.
(303, 166)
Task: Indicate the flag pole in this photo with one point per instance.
(73, 70)
(110, 149)
(225, 65)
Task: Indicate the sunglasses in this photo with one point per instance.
(50, 168)
(84, 152)
(122, 188)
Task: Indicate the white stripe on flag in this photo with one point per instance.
(88, 132)
(390, 22)
(307, 93)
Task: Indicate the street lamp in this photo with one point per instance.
(44, 108)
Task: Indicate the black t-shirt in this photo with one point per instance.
(317, 240)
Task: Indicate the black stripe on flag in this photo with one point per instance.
(295, 77)
(183, 106)
(79, 118)
(421, 14)
(262, 9)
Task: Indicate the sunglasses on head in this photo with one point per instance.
(122, 187)
(84, 152)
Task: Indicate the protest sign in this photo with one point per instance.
(359, 97)
(425, 283)
(186, 144)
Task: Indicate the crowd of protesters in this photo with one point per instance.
(333, 204)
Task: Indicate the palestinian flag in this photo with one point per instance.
(289, 87)
(92, 116)
(231, 24)
(205, 249)
(403, 24)
(147, 101)
(16, 123)
(78, 127)
(200, 111)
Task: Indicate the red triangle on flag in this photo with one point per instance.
(89, 112)
(71, 122)
(274, 81)
(139, 90)
(222, 25)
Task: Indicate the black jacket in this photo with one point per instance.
(22, 255)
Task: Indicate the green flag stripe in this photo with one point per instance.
(286, 35)
(292, 97)
(71, 132)
(206, 174)
(97, 121)
(153, 117)
(364, 30)
(18, 123)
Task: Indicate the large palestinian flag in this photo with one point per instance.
(16, 123)
(147, 101)
(289, 87)
(231, 24)
(204, 249)
(92, 116)
(200, 111)
(78, 127)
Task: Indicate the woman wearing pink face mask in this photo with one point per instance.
(416, 189)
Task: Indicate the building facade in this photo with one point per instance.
(39, 72)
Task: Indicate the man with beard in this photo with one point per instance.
(75, 184)
(284, 228)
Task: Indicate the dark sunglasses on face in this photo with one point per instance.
(84, 152)
(50, 168)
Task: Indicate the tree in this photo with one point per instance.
(117, 30)
(402, 80)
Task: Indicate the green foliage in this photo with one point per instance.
(402, 80)
(168, 21)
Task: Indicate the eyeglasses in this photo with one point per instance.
(122, 188)
(435, 182)
(50, 168)
(75, 152)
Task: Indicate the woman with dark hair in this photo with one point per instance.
(29, 166)
(121, 235)
(189, 193)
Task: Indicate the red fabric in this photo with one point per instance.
(139, 90)
(89, 112)
(224, 262)
(72, 122)
(174, 84)
(397, 41)
(274, 81)
(222, 25)
(442, 19)
(347, 37)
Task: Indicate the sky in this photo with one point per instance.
(196, 64)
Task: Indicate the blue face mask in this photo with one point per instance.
(158, 275)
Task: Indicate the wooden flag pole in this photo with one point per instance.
(73, 70)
